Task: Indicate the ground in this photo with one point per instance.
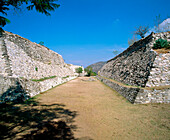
(92, 111)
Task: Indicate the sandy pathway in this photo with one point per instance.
(104, 115)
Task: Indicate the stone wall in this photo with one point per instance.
(153, 96)
(129, 93)
(160, 72)
(17, 89)
(22, 61)
(138, 95)
(133, 66)
(31, 60)
(140, 67)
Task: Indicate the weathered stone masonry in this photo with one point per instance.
(21, 61)
(141, 66)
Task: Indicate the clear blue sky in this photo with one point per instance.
(87, 31)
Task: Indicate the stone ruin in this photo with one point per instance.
(139, 73)
(28, 68)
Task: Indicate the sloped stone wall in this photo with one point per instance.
(133, 66)
(17, 90)
(2, 60)
(138, 95)
(33, 61)
(22, 61)
(141, 67)
(129, 93)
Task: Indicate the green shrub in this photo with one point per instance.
(93, 73)
(79, 70)
(36, 69)
(90, 71)
(42, 79)
(161, 43)
(66, 77)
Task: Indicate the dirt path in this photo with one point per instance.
(102, 114)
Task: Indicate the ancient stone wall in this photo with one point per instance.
(24, 63)
(138, 95)
(133, 66)
(160, 72)
(33, 61)
(141, 67)
(20, 89)
(129, 93)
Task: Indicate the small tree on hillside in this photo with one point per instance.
(141, 30)
(79, 70)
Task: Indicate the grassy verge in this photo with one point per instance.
(65, 77)
(42, 79)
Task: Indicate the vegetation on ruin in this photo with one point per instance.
(65, 77)
(42, 79)
(141, 31)
(161, 43)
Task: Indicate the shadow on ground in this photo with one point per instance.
(32, 120)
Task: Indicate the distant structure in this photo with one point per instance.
(139, 73)
(28, 68)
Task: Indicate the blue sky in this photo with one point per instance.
(87, 31)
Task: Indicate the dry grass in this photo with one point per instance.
(158, 87)
(163, 50)
(103, 114)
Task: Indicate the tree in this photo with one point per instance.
(90, 71)
(41, 43)
(141, 30)
(79, 70)
(131, 41)
(42, 6)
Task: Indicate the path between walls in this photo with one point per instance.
(102, 114)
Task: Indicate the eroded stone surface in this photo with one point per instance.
(22, 61)
(141, 66)
(133, 66)
(160, 72)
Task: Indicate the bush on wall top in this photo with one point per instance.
(161, 43)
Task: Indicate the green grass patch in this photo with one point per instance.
(65, 77)
(42, 79)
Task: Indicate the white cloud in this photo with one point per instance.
(165, 25)
(162, 27)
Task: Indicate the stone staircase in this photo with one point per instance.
(5, 59)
